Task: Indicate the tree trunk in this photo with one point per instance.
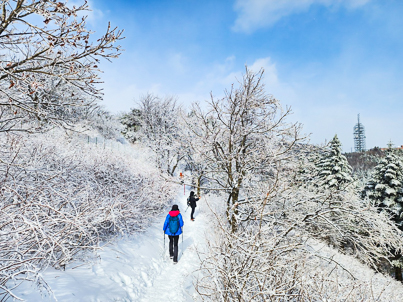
(398, 269)
(235, 196)
(228, 208)
(398, 273)
(199, 183)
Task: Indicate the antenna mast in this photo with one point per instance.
(359, 136)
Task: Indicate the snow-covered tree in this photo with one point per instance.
(307, 156)
(333, 170)
(162, 131)
(131, 124)
(385, 186)
(242, 138)
(105, 123)
(48, 56)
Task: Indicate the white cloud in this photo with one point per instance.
(254, 14)
(120, 99)
(223, 75)
(270, 71)
(178, 63)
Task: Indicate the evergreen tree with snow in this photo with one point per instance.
(333, 170)
(132, 123)
(306, 171)
(385, 186)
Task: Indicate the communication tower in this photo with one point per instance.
(359, 136)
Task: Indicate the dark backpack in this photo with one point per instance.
(173, 224)
(188, 201)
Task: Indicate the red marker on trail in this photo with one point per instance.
(181, 177)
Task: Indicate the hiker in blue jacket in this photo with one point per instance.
(173, 228)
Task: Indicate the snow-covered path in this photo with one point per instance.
(134, 269)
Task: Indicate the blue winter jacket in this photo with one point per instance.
(166, 228)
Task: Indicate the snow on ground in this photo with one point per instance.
(383, 288)
(137, 268)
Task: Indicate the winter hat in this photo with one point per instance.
(175, 207)
(192, 193)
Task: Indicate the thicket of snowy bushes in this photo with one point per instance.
(60, 198)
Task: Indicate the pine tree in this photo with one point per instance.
(132, 124)
(385, 186)
(333, 170)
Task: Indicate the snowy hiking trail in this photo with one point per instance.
(137, 268)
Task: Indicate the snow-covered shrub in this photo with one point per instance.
(59, 199)
(258, 269)
(104, 123)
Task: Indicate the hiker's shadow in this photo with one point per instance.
(186, 243)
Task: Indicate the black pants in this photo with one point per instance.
(173, 247)
(191, 213)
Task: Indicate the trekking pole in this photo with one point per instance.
(164, 240)
(186, 209)
(182, 241)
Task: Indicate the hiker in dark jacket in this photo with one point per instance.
(173, 237)
(192, 204)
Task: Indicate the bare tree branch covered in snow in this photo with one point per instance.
(59, 199)
(48, 62)
(162, 131)
(105, 123)
(242, 137)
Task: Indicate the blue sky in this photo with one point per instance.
(327, 59)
